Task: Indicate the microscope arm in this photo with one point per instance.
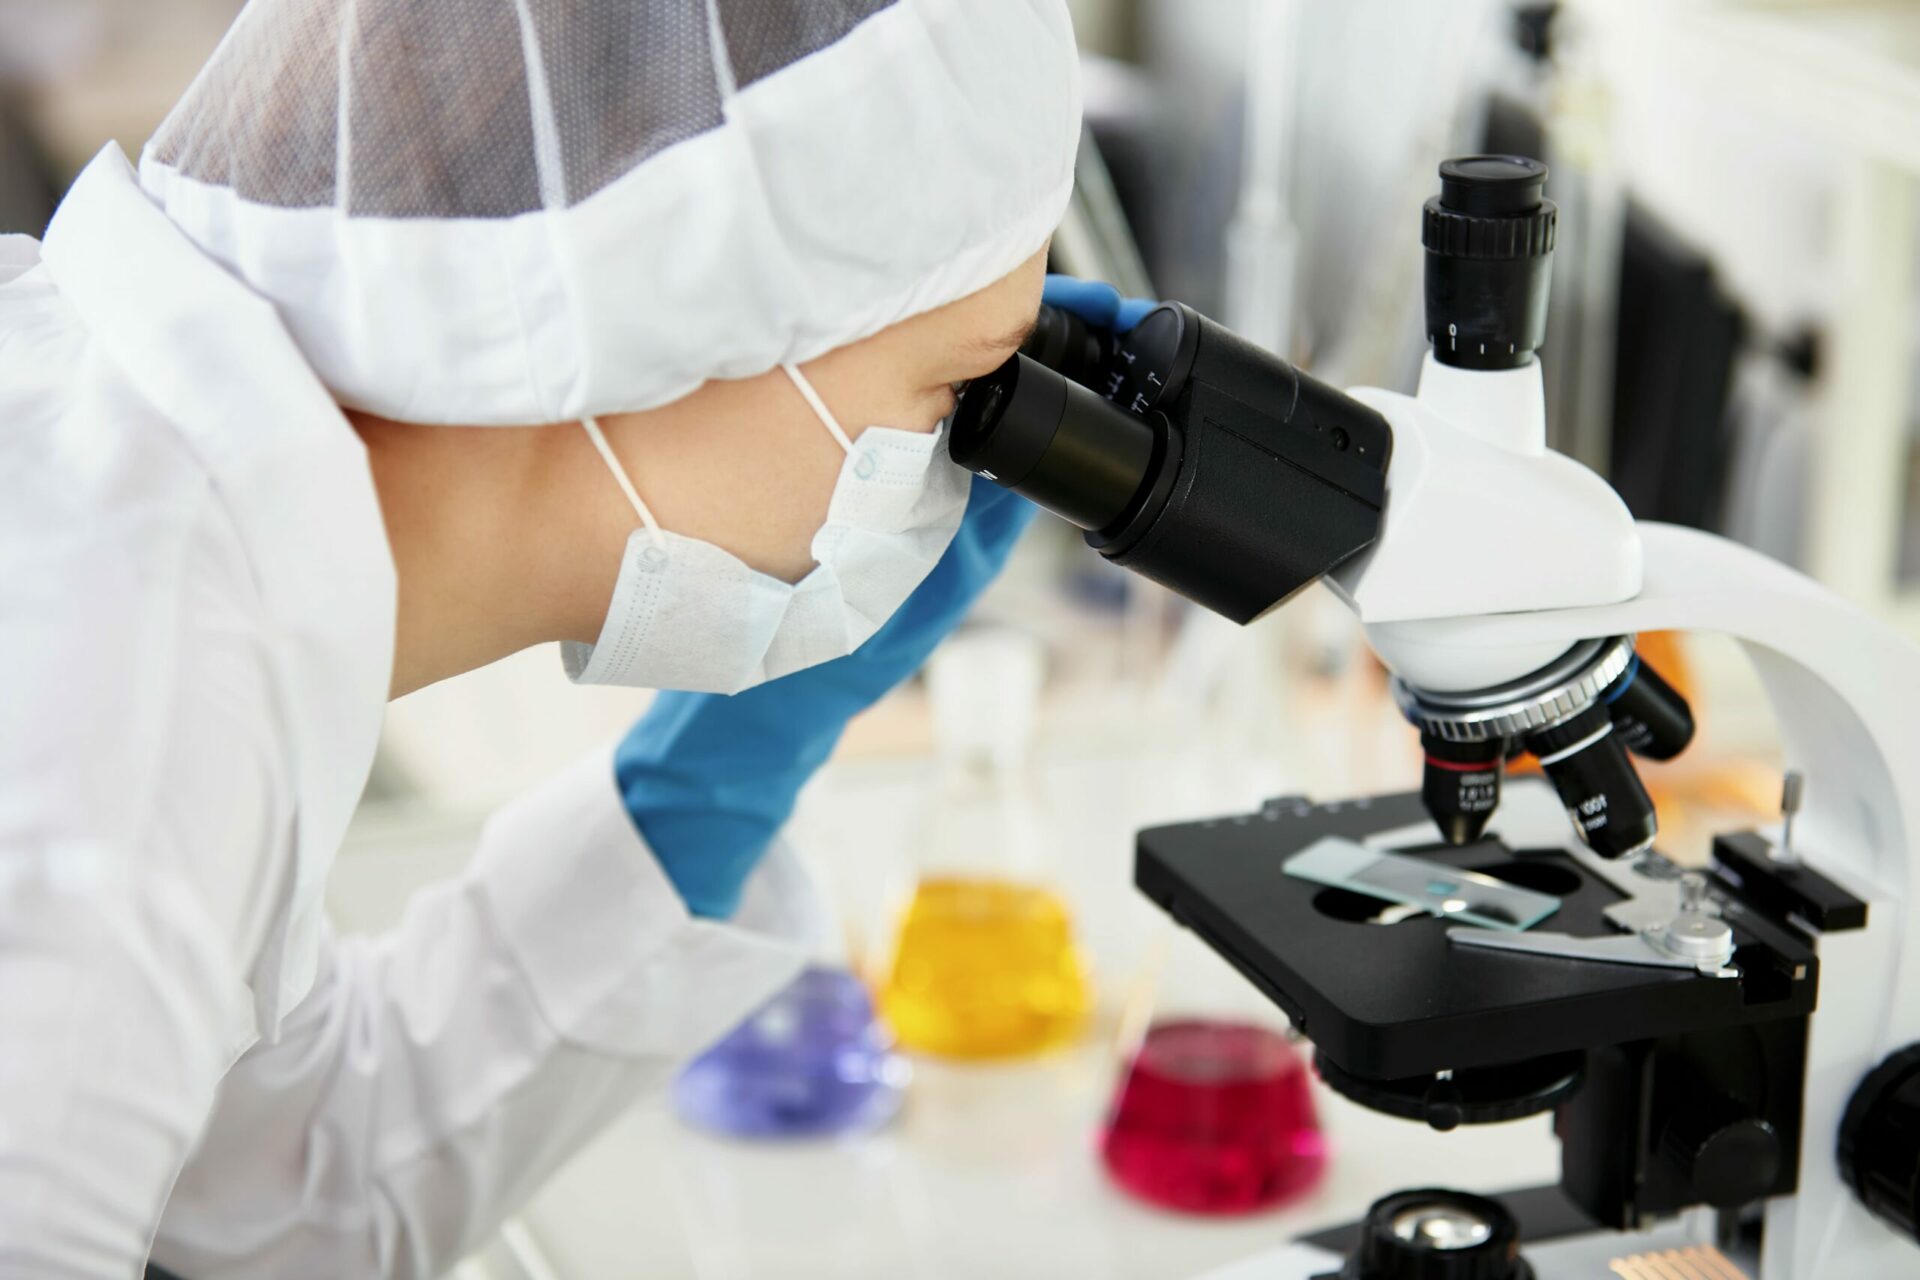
(1495, 555)
(1846, 699)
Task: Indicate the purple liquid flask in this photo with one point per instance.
(811, 1062)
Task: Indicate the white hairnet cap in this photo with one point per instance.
(522, 211)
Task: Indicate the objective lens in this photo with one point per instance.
(1649, 715)
(1461, 784)
(1588, 764)
(1031, 430)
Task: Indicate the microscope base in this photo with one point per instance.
(1604, 1255)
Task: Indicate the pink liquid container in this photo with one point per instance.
(1214, 1117)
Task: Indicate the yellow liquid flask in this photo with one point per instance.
(983, 962)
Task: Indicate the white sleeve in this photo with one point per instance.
(438, 1074)
(118, 1011)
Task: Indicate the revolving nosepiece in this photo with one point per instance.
(1579, 715)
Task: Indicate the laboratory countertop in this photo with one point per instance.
(993, 1169)
(990, 1169)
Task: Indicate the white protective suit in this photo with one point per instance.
(197, 597)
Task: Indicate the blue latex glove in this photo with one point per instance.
(710, 779)
(1095, 302)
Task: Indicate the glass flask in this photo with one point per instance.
(1214, 1108)
(1214, 1116)
(983, 962)
(811, 1062)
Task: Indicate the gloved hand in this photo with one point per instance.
(1096, 302)
(710, 779)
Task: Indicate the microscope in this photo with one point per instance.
(1731, 1056)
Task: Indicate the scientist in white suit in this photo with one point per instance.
(425, 332)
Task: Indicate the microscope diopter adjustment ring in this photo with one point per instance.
(1555, 693)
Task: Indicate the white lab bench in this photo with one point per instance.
(990, 1170)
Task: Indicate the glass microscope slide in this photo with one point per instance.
(1433, 887)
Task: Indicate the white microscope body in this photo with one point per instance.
(1502, 583)
(1496, 555)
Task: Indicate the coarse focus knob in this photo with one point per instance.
(1880, 1141)
(1435, 1234)
(1489, 240)
(1728, 1156)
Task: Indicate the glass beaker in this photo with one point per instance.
(984, 962)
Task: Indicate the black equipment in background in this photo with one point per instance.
(1678, 336)
(29, 190)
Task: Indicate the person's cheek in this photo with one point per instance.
(776, 486)
(939, 406)
(920, 409)
(799, 494)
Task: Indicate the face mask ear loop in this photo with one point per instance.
(818, 405)
(620, 474)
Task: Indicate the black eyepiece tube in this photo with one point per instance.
(1185, 453)
(1489, 239)
(1030, 430)
(1068, 345)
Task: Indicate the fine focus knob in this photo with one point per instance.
(1489, 240)
(1433, 1234)
(1880, 1141)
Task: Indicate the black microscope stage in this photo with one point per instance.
(1385, 1001)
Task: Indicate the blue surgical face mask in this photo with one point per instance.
(687, 615)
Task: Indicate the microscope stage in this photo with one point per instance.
(1386, 1001)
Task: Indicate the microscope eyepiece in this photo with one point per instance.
(1184, 452)
(1489, 240)
(1028, 428)
(1491, 186)
(1068, 345)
